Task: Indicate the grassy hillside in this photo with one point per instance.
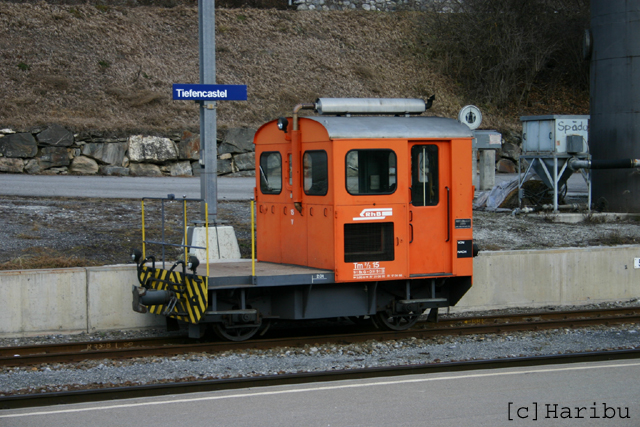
(92, 67)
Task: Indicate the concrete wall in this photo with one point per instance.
(92, 299)
(109, 300)
(537, 278)
(43, 301)
(69, 300)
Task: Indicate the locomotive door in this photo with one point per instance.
(430, 237)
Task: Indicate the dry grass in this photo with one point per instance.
(592, 219)
(111, 68)
(39, 258)
(85, 67)
(26, 236)
(137, 98)
(613, 238)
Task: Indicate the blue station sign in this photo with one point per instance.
(197, 92)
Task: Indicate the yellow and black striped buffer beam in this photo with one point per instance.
(190, 290)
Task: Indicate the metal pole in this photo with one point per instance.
(144, 242)
(206, 246)
(589, 189)
(253, 242)
(208, 126)
(184, 223)
(519, 182)
(555, 183)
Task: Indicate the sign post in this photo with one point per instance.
(208, 125)
(207, 94)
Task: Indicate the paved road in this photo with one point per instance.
(501, 397)
(138, 187)
(119, 187)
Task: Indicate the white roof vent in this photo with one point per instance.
(394, 106)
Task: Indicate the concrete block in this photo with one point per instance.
(536, 278)
(37, 302)
(223, 243)
(487, 169)
(597, 217)
(109, 300)
(72, 300)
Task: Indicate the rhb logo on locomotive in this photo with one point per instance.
(373, 214)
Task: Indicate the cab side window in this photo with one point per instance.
(371, 172)
(316, 174)
(270, 172)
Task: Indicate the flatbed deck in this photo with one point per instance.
(234, 273)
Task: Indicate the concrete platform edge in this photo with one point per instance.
(73, 300)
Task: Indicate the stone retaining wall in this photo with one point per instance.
(374, 5)
(56, 150)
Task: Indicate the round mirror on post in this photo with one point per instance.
(471, 116)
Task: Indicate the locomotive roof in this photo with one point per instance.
(393, 127)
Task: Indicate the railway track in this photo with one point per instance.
(120, 349)
(94, 395)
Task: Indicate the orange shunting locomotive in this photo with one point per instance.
(363, 211)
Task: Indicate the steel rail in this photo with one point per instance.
(130, 392)
(124, 349)
(88, 347)
(548, 315)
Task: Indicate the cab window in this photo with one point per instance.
(424, 175)
(270, 172)
(371, 172)
(316, 176)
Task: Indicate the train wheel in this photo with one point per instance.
(397, 322)
(237, 333)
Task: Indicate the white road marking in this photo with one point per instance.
(320, 388)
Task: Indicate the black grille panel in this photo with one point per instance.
(368, 242)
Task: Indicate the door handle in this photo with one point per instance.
(411, 226)
(448, 214)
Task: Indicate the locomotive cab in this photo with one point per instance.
(364, 211)
(385, 201)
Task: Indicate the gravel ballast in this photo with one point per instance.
(308, 358)
(76, 222)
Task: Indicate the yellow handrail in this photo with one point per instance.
(253, 243)
(184, 207)
(206, 245)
